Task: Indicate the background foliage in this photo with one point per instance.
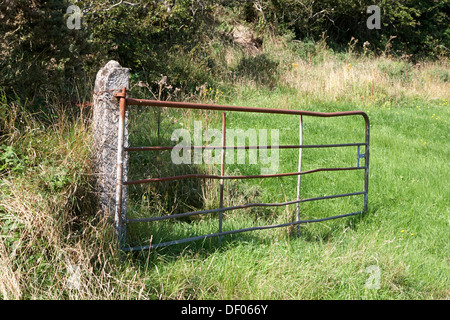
(185, 39)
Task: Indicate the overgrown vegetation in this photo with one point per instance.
(190, 41)
(309, 55)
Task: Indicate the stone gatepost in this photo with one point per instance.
(111, 79)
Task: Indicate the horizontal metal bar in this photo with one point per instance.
(210, 176)
(162, 148)
(201, 106)
(236, 231)
(187, 214)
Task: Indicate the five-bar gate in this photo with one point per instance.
(121, 221)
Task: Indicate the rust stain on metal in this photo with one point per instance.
(210, 176)
(202, 106)
(119, 197)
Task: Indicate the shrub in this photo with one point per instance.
(396, 70)
(260, 68)
(38, 52)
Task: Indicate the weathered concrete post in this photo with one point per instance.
(111, 79)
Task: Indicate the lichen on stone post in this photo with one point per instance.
(111, 79)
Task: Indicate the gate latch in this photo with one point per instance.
(359, 155)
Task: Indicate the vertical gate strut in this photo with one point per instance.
(299, 170)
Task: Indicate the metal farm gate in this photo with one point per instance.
(121, 221)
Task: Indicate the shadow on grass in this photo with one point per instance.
(329, 233)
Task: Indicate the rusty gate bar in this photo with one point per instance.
(260, 176)
(202, 106)
(118, 223)
(162, 148)
(124, 101)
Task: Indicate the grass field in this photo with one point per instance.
(51, 234)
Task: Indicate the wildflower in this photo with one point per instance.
(412, 234)
(295, 65)
(403, 231)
